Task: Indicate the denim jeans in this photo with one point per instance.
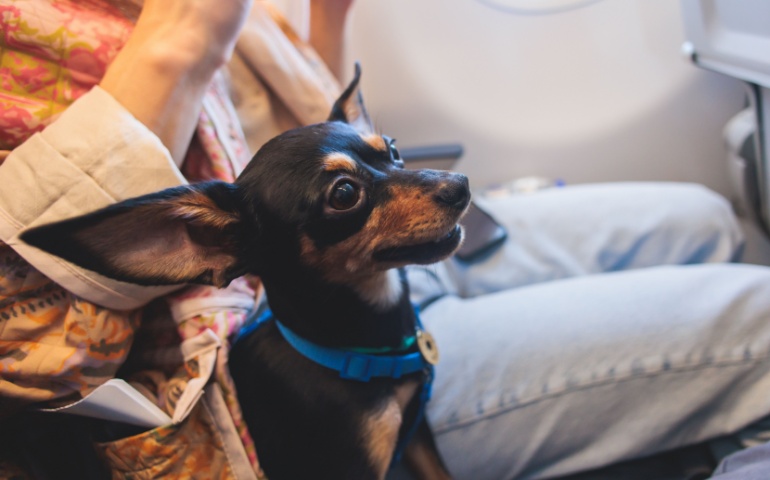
(609, 326)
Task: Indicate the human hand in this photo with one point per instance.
(202, 32)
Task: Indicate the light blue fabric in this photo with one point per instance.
(550, 366)
(750, 464)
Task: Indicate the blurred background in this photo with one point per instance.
(570, 90)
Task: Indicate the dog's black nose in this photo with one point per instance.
(454, 191)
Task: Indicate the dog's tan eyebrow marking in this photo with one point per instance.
(376, 141)
(339, 161)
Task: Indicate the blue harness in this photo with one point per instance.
(362, 367)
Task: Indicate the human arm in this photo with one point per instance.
(111, 144)
(114, 143)
(327, 31)
(163, 71)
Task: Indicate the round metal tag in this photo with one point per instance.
(428, 347)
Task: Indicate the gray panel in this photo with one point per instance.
(730, 36)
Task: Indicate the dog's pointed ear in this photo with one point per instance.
(349, 108)
(180, 235)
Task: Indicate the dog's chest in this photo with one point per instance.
(380, 430)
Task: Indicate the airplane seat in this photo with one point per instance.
(733, 38)
(740, 139)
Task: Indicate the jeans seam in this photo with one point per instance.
(752, 361)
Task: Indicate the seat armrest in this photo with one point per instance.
(442, 157)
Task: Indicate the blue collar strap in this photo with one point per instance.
(350, 364)
(353, 365)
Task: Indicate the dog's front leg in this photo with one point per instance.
(422, 457)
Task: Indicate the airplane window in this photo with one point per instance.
(536, 7)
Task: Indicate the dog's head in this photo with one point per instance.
(331, 198)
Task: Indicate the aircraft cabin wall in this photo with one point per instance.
(599, 93)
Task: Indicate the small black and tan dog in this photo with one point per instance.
(325, 215)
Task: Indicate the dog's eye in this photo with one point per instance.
(344, 195)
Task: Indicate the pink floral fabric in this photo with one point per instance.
(51, 53)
